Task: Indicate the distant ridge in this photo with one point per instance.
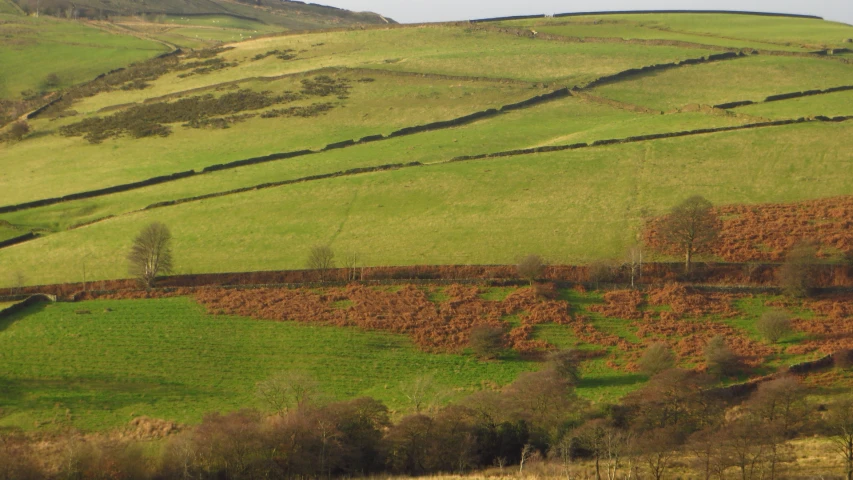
(643, 12)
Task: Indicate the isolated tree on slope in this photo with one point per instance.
(151, 254)
(691, 226)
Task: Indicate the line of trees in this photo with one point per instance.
(537, 421)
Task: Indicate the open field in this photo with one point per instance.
(751, 31)
(831, 104)
(168, 359)
(391, 218)
(751, 78)
(96, 364)
(74, 51)
(561, 121)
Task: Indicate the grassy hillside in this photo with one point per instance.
(572, 206)
(168, 359)
(33, 48)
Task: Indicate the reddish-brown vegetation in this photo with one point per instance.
(439, 326)
(765, 232)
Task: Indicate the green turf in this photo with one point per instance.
(168, 359)
(481, 212)
(634, 29)
(379, 107)
(752, 78)
(33, 48)
(7, 7)
(560, 122)
(830, 105)
(810, 34)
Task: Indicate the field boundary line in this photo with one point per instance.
(784, 96)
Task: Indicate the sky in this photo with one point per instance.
(416, 11)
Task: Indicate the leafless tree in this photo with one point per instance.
(657, 358)
(719, 357)
(421, 391)
(531, 267)
(151, 254)
(487, 341)
(797, 276)
(838, 425)
(691, 226)
(634, 262)
(352, 265)
(321, 259)
(774, 324)
(287, 390)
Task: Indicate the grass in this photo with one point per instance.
(378, 107)
(810, 34)
(559, 122)
(446, 214)
(752, 78)
(168, 359)
(634, 28)
(831, 105)
(9, 8)
(33, 48)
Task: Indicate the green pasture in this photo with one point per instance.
(810, 34)
(571, 206)
(98, 364)
(9, 8)
(750, 78)
(563, 121)
(32, 48)
(33, 170)
(633, 29)
(216, 21)
(830, 105)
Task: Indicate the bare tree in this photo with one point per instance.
(719, 357)
(838, 425)
(487, 341)
(321, 259)
(151, 254)
(774, 324)
(657, 358)
(634, 261)
(352, 265)
(797, 276)
(421, 391)
(530, 267)
(287, 390)
(691, 226)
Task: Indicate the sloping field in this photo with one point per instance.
(265, 96)
(33, 48)
(481, 212)
(751, 78)
(168, 359)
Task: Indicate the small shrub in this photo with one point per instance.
(657, 358)
(487, 341)
(530, 267)
(773, 325)
(719, 357)
(567, 364)
(17, 131)
(797, 275)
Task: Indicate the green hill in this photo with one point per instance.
(627, 75)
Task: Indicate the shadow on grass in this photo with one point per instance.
(627, 380)
(7, 321)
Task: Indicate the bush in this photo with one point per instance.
(486, 341)
(17, 131)
(797, 275)
(719, 357)
(773, 325)
(566, 363)
(657, 358)
(530, 267)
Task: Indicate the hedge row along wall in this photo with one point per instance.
(722, 277)
(785, 96)
(30, 300)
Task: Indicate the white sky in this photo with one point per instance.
(414, 11)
